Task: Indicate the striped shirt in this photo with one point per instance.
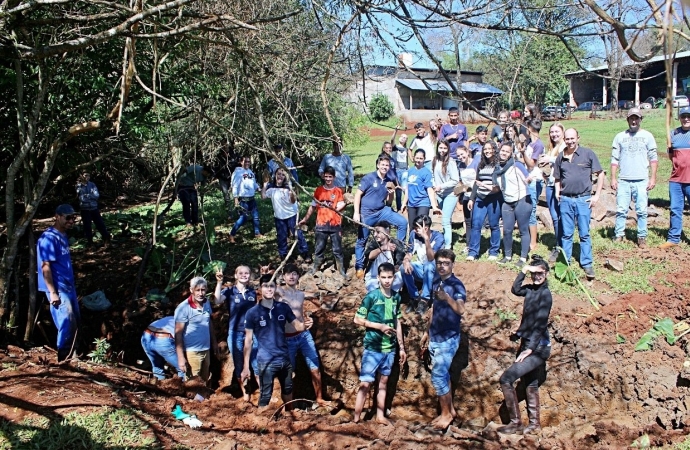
(680, 155)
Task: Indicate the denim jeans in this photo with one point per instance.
(303, 343)
(678, 192)
(375, 362)
(420, 272)
(159, 351)
(66, 318)
(402, 179)
(555, 212)
(576, 211)
(93, 215)
(389, 216)
(534, 189)
(321, 239)
(236, 348)
(511, 212)
(190, 204)
(268, 371)
(447, 205)
(442, 354)
(637, 190)
(285, 226)
(250, 208)
(491, 207)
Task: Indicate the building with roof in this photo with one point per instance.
(421, 94)
(644, 80)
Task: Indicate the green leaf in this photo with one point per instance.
(215, 266)
(646, 341)
(620, 339)
(641, 442)
(665, 328)
(560, 269)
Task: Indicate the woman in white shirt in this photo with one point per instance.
(446, 177)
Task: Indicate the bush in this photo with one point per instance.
(380, 107)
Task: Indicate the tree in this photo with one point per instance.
(380, 107)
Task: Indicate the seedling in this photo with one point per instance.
(504, 314)
(100, 354)
(565, 274)
(663, 327)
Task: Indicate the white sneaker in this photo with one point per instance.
(466, 250)
(492, 258)
(470, 258)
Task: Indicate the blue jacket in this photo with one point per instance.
(88, 196)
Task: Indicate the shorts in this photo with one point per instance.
(303, 343)
(442, 354)
(375, 362)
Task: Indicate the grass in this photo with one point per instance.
(105, 428)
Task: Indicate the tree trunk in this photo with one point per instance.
(28, 331)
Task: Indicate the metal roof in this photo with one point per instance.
(679, 55)
(443, 86)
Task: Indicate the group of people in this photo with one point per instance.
(494, 179)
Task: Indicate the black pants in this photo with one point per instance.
(415, 211)
(93, 215)
(190, 205)
(468, 217)
(321, 239)
(529, 369)
(511, 212)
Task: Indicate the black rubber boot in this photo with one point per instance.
(316, 266)
(534, 426)
(340, 265)
(510, 396)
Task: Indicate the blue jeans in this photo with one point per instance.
(534, 189)
(161, 350)
(250, 208)
(447, 205)
(576, 211)
(402, 179)
(425, 273)
(678, 192)
(303, 343)
(66, 318)
(375, 362)
(285, 226)
(491, 207)
(236, 348)
(555, 212)
(190, 204)
(637, 190)
(280, 369)
(442, 354)
(386, 214)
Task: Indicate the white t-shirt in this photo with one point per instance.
(282, 207)
(425, 144)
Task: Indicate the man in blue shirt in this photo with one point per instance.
(443, 336)
(273, 165)
(267, 322)
(424, 242)
(454, 132)
(344, 174)
(56, 279)
(370, 208)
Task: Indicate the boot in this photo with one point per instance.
(317, 264)
(534, 426)
(510, 396)
(340, 265)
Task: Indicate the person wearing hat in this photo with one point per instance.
(634, 151)
(679, 183)
(56, 279)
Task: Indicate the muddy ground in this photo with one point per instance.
(597, 393)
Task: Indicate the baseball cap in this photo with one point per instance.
(684, 110)
(635, 112)
(64, 210)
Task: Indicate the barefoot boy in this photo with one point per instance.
(380, 314)
(443, 336)
(300, 341)
(267, 321)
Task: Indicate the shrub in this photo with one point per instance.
(380, 107)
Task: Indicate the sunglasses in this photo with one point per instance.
(70, 218)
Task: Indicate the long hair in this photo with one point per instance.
(484, 161)
(533, 111)
(434, 132)
(556, 147)
(445, 159)
(286, 180)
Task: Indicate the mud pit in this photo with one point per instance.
(597, 393)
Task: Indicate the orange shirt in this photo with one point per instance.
(331, 197)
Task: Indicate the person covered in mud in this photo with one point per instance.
(158, 342)
(535, 346)
(239, 299)
(383, 249)
(267, 321)
(380, 313)
(442, 338)
(194, 335)
(300, 341)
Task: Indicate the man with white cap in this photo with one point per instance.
(634, 151)
(679, 183)
(56, 279)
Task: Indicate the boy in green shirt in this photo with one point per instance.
(380, 313)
